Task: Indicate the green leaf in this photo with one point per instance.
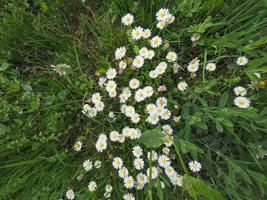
(152, 138)
(187, 146)
(192, 184)
(3, 129)
(223, 100)
(219, 127)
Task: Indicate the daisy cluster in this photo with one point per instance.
(140, 105)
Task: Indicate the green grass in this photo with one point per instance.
(40, 111)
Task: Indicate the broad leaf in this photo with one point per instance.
(152, 138)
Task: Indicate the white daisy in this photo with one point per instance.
(150, 54)
(120, 53)
(97, 164)
(112, 93)
(182, 86)
(137, 33)
(242, 60)
(161, 25)
(134, 83)
(101, 81)
(156, 41)
(143, 52)
(153, 74)
(137, 151)
(111, 73)
(92, 186)
(177, 180)
(139, 95)
(167, 129)
(87, 165)
(108, 188)
(240, 91)
(117, 163)
(89, 111)
(161, 68)
(122, 65)
(135, 118)
(148, 91)
(111, 86)
(242, 102)
(99, 106)
(78, 146)
(128, 182)
(146, 33)
(210, 67)
(114, 136)
(139, 163)
(171, 56)
(142, 178)
(152, 119)
(168, 140)
(154, 172)
(193, 65)
(127, 19)
(101, 145)
(153, 156)
(162, 14)
(129, 111)
(162, 102)
(123, 172)
(151, 109)
(138, 62)
(164, 161)
(96, 97)
(128, 196)
(70, 194)
(166, 150)
(194, 166)
(169, 171)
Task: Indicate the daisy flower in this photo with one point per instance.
(167, 129)
(92, 186)
(161, 25)
(177, 180)
(154, 172)
(150, 54)
(123, 172)
(161, 68)
(242, 60)
(111, 73)
(101, 81)
(152, 119)
(108, 188)
(120, 53)
(117, 163)
(240, 91)
(171, 56)
(139, 163)
(114, 136)
(162, 102)
(97, 164)
(153, 155)
(168, 140)
(128, 182)
(153, 74)
(169, 171)
(137, 151)
(143, 52)
(182, 86)
(194, 166)
(138, 62)
(137, 33)
(148, 90)
(127, 19)
(142, 178)
(162, 14)
(151, 109)
(156, 41)
(166, 150)
(122, 65)
(99, 106)
(139, 95)
(193, 65)
(242, 102)
(87, 165)
(134, 83)
(70, 194)
(210, 67)
(96, 97)
(135, 118)
(78, 146)
(111, 86)
(146, 33)
(128, 196)
(164, 161)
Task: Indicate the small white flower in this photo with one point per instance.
(120, 53)
(101, 81)
(242, 60)
(210, 67)
(134, 83)
(164, 161)
(122, 65)
(108, 188)
(114, 136)
(111, 86)
(161, 68)
(111, 115)
(135, 118)
(128, 182)
(151, 109)
(166, 114)
(162, 102)
(128, 196)
(194, 166)
(240, 91)
(143, 52)
(150, 54)
(148, 91)
(171, 56)
(127, 92)
(92, 186)
(163, 14)
(167, 129)
(111, 73)
(138, 62)
(134, 134)
(166, 150)
(87, 165)
(161, 25)
(97, 164)
(170, 19)
(169, 171)
(176, 119)
(146, 33)
(139, 95)
(195, 37)
(177, 180)
(96, 97)
(123, 172)
(242, 102)
(89, 111)
(107, 195)
(182, 86)
(78, 146)
(168, 140)
(70, 194)
(153, 74)
(129, 111)
(142, 178)
(137, 33)
(193, 65)
(117, 163)
(127, 19)
(154, 172)
(139, 163)
(101, 145)
(112, 93)
(137, 151)
(152, 119)
(153, 156)
(99, 106)
(156, 41)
